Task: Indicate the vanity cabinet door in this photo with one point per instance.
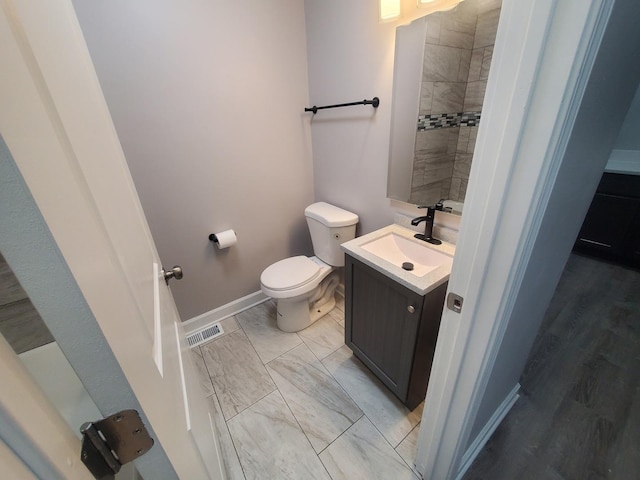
(381, 324)
(611, 228)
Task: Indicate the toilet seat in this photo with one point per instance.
(293, 276)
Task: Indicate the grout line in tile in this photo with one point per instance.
(305, 433)
(284, 353)
(213, 386)
(326, 370)
(235, 448)
(410, 432)
(254, 348)
(412, 467)
(346, 430)
(249, 406)
(314, 353)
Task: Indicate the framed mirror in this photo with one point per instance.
(441, 67)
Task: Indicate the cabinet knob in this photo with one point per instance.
(411, 309)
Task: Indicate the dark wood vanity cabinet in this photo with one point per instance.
(611, 229)
(392, 329)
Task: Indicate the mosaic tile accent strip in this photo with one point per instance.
(448, 120)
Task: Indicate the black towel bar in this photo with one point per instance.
(375, 101)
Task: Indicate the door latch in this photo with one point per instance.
(109, 443)
(454, 302)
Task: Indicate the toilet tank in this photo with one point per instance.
(330, 226)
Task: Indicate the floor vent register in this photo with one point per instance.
(204, 335)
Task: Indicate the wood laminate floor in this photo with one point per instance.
(578, 417)
(20, 323)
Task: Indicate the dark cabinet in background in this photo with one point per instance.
(611, 229)
(392, 329)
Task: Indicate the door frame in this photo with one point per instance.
(532, 102)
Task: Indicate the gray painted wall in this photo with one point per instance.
(611, 87)
(629, 138)
(207, 99)
(350, 58)
(625, 157)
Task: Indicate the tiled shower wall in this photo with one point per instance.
(458, 51)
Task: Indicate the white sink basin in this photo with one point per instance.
(400, 250)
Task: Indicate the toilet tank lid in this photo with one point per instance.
(330, 215)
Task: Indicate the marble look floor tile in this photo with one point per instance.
(203, 373)
(239, 377)
(377, 402)
(232, 465)
(362, 453)
(338, 316)
(408, 447)
(229, 325)
(323, 337)
(271, 445)
(259, 323)
(318, 402)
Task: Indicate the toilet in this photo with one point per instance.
(304, 287)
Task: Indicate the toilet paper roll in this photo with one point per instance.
(225, 239)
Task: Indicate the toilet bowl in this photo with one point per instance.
(304, 287)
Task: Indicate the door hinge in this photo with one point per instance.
(109, 443)
(454, 302)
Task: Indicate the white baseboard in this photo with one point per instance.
(225, 311)
(486, 432)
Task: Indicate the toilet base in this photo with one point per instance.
(294, 315)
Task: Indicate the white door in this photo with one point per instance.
(57, 128)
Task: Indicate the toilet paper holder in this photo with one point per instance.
(224, 239)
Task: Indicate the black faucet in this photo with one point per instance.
(428, 219)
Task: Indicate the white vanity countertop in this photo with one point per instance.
(420, 285)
